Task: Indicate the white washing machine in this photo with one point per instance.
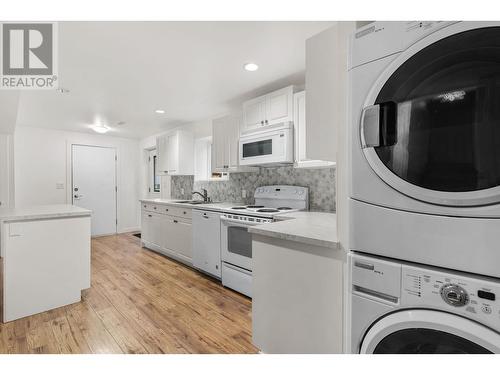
(425, 143)
(403, 308)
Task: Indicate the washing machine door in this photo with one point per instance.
(429, 332)
(431, 124)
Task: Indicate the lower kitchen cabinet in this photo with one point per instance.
(178, 237)
(206, 242)
(297, 297)
(152, 228)
(167, 230)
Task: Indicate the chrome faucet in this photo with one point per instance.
(204, 195)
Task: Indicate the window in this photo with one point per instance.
(156, 178)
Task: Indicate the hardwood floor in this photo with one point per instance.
(139, 302)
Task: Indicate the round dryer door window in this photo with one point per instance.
(429, 332)
(433, 132)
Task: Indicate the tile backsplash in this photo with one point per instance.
(321, 184)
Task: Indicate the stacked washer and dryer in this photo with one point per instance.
(424, 201)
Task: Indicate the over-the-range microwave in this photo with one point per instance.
(268, 148)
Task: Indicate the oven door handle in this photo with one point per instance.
(239, 222)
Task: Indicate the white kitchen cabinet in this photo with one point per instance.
(254, 112)
(225, 143)
(178, 237)
(175, 153)
(297, 297)
(300, 130)
(167, 229)
(268, 110)
(326, 88)
(206, 242)
(45, 263)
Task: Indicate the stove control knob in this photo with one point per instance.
(454, 295)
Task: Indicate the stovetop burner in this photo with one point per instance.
(268, 210)
(284, 208)
(255, 206)
(238, 208)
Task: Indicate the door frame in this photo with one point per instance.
(69, 174)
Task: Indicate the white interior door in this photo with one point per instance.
(4, 170)
(94, 185)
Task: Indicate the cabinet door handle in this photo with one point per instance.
(185, 212)
(266, 121)
(154, 208)
(150, 215)
(166, 209)
(175, 221)
(262, 122)
(205, 217)
(144, 206)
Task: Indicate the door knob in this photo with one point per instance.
(78, 196)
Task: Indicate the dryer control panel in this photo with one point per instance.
(468, 295)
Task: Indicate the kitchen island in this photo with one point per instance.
(298, 278)
(45, 258)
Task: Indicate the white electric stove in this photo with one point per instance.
(236, 241)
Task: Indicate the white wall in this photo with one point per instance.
(42, 160)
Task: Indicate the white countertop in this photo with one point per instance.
(313, 228)
(216, 206)
(42, 212)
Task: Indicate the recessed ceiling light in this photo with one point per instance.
(160, 111)
(251, 67)
(101, 129)
(62, 90)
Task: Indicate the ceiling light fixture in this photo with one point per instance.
(101, 129)
(160, 111)
(251, 67)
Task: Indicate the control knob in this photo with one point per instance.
(454, 295)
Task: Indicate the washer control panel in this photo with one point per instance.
(468, 295)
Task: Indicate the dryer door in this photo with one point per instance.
(433, 130)
(429, 332)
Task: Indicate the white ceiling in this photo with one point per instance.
(123, 71)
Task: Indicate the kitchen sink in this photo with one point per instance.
(193, 202)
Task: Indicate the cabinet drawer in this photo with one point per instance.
(177, 211)
(150, 207)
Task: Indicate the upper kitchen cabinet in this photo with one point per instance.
(302, 159)
(225, 141)
(326, 88)
(267, 110)
(175, 152)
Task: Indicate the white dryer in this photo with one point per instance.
(425, 143)
(403, 308)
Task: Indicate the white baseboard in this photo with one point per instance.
(127, 230)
